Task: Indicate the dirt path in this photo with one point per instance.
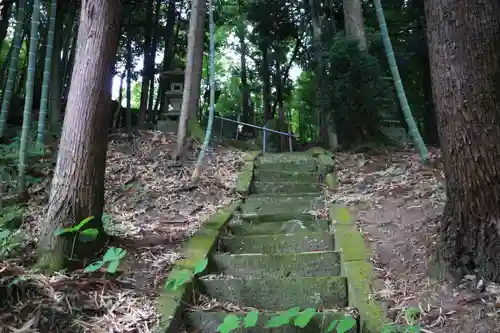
(397, 204)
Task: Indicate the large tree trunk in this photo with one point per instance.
(146, 67)
(78, 184)
(192, 78)
(464, 49)
(353, 22)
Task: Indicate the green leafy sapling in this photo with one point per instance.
(112, 258)
(292, 316)
(179, 277)
(113, 255)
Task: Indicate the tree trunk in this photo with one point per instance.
(28, 101)
(192, 77)
(56, 73)
(464, 49)
(154, 47)
(77, 188)
(146, 76)
(14, 60)
(168, 54)
(353, 22)
(4, 20)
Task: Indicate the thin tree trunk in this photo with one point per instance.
(4, 20)
(56, 74)
(46, 74)
(9, 85)
(146, 76)
(77, 190)
(151, 112)
(128, 116)
(28, 102)
(464, 49)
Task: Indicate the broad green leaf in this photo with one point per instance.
(251, 319)
(113, 266)
(62, 231)
(283, 318)
(200, 267)
(93, 267)
(231, 322)
(346, 324)
(177, 278)
(88, 235)
(332, 325)
(82, 223)
(304, 317)
(114, 253)
(4, 234)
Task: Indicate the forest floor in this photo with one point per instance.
(397, 204)
(150, 204)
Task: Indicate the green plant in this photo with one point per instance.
(112, 257)
(179, 277)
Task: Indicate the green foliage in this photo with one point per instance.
(113, 255)
(359, 93)
(179, 277)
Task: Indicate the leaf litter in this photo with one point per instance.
(151, 203)
(396, 202)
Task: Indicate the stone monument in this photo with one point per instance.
(169, 115)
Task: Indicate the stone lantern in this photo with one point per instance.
(169, 115)
(173, 96)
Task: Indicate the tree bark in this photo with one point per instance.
(353, 22)
(78, 185)
(464, 49)
(146, 68)
(192, 77)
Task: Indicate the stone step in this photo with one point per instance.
(278, 243)
(287, 162)
(285, 187)
(321, 263)
(275, 294)
(239, 227)
(284, 176)
(280, 207)
(209, 321)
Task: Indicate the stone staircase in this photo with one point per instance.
(275, 255)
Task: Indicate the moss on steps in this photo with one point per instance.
(277, 293)
(238, 227)
(321, 263)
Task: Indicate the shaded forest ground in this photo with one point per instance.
(397, 203)
(150, 203)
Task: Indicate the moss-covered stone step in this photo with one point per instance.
(285, 187)
(276, 294)
(279, 243)
(285, 176)
(208, 321)
(239, 227)
(287, 161)
(281, 207)
(321, 263)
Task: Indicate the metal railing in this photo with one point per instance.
(264, 128)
